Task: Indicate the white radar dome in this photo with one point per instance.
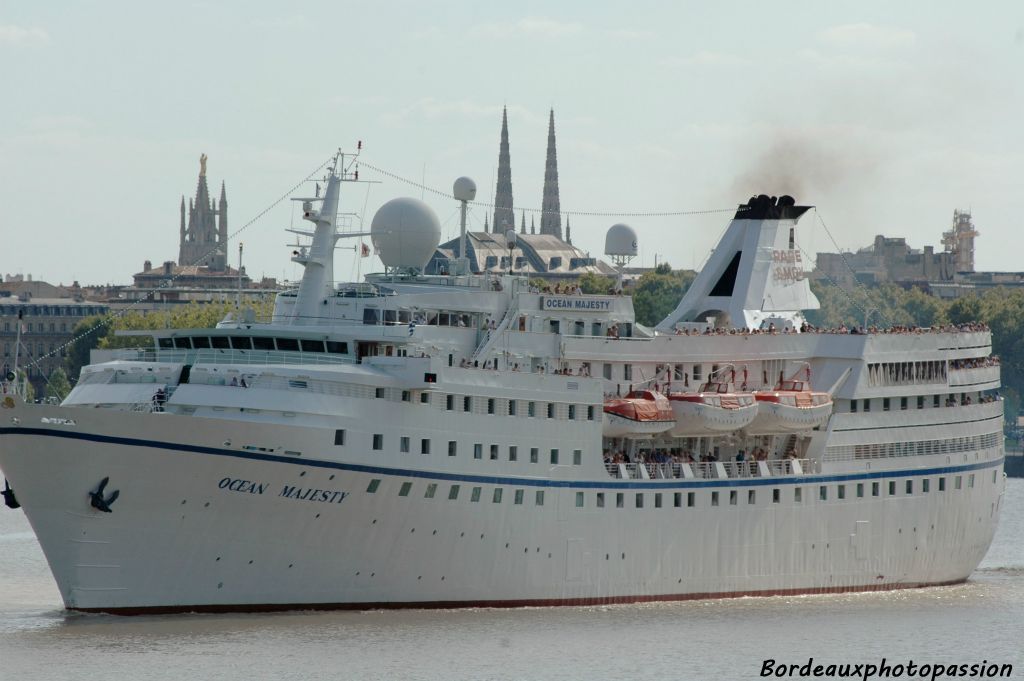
(620, 240)
(464, 189)
(405, 232)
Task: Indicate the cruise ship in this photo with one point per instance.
(470, 440)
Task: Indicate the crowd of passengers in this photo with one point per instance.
(771, 329)
(974, 363)
(678, 455)
(951, 401)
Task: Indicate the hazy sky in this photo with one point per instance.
(885, 115)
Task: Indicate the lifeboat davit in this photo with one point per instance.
(641, 412)
(792, 407)
(715, 408)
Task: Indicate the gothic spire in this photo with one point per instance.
(522, 226)
(504, 217)
(551, 218)
(533, 226)
(568, 231)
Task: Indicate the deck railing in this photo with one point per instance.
(710, 470)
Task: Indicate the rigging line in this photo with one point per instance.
(856, 282)
(832, 281)
(107, 320)
(541, 211)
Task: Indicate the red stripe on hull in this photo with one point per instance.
(519, 603)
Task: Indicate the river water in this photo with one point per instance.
(964, 624)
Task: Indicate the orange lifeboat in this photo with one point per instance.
(641, 412)
(716, 408)
(792, 407)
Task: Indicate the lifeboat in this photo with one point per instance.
(716, 408)
(792, 407)
(641, 412)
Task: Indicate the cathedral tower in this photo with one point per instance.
(203, 242)
(551, 218)
(504, 216)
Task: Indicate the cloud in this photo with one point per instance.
(21, 36)
(867, 36)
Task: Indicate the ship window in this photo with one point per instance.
(698, 372)
(452, 447)
(518, 500)
(885, 404)
(841, 492)
(677, 499)
(490, 405)
(262, 343)
(284, 344)
(478, 451)
(337, 347)
(551, 410)
(538, 498)
(620, 500)
(554, 326)
(920, 401)
(219, 342)
(531, 409)
(406, 396)
(453, 492)
(554, 456)
(165, 343)
(607, 371)
(590, 412)
(425, 446)
(431, 491)
(926, 485)
(970, 480)
(449, 402)
(892, 488)
(404, 491)
(513, 453)
(424, 398)
(241, 343)
(600, 499)
(369, 316)
(853, 406)
(860, 490)
(776, 495)
(378, 441)
(798, 494)
(379, 393)
(494, 452)
(579, 499)
(200, 342)
(339, 437)
(474, 495)
(467, 403)
(511, 407)
(751, 497)
(639, 499)
(577, 457)
(572, 412)
(942, 484)
(309, 345)
(903, 403)
(874, 489)
(910, 486)
(935, 400)
(534, 454)
(627, 372)
(993, 476)
(867, 405)
(691, 499)
(733, 497)
(372, 487)
(496, 499)
(403, 445)
(714, 498)
(823, 493)
(657, 500)
(182, 344)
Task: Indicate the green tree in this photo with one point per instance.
(658, 292)
(87, 335)
(596, 284)
(58, 386)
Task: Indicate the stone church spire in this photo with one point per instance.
(504, 216)
(522, 225)
(202, 242)
(551, 218)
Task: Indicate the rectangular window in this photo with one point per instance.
(892, 488)
(885, 404)
(572, 412)
(910, 486)
(403, 445)
(404, 491)
(606, 371)
(474, 494)
(926, 485)
(627, 372)
(494, 452)
(497, 496)
(903, 403)
(490, 405)
(959, 482)
(424, 398)
(714, 498)
(379, 393)
(518, 499)
(577, 457)
(657, 500)
(751, 496)
(452, 448)
(406, 396)
(531, 409)
(698, 372)
(842, 492)
(511, 407)
(823, 493)
(339, 437)
(853, 406)
(467, 403)
(970, 480)
(639, 499)
(798, 494)
(478, 451)
(534, 454)
(554, 457)
(860, 490)
(372, 487)
(677, 499)
(867, 405)
(551, 410)
(942, 484)
(620, 500)
(579, 499)
(920, 401)
(874, 489)
(431, 491)
(733, 497)
(378, 441)
(776, 495)
(600, 499)
(935, 400)
(453, 492)
(449, 402)
(513, 453)
(538, 498)
(691, 499)
(425, 446)
(590, 412)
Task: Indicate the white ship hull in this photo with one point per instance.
(204, 526)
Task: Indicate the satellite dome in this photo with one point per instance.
(620, 240)
(464, 189)
(405, 232)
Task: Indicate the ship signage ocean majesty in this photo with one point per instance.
(576, 303)
(328, 496)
